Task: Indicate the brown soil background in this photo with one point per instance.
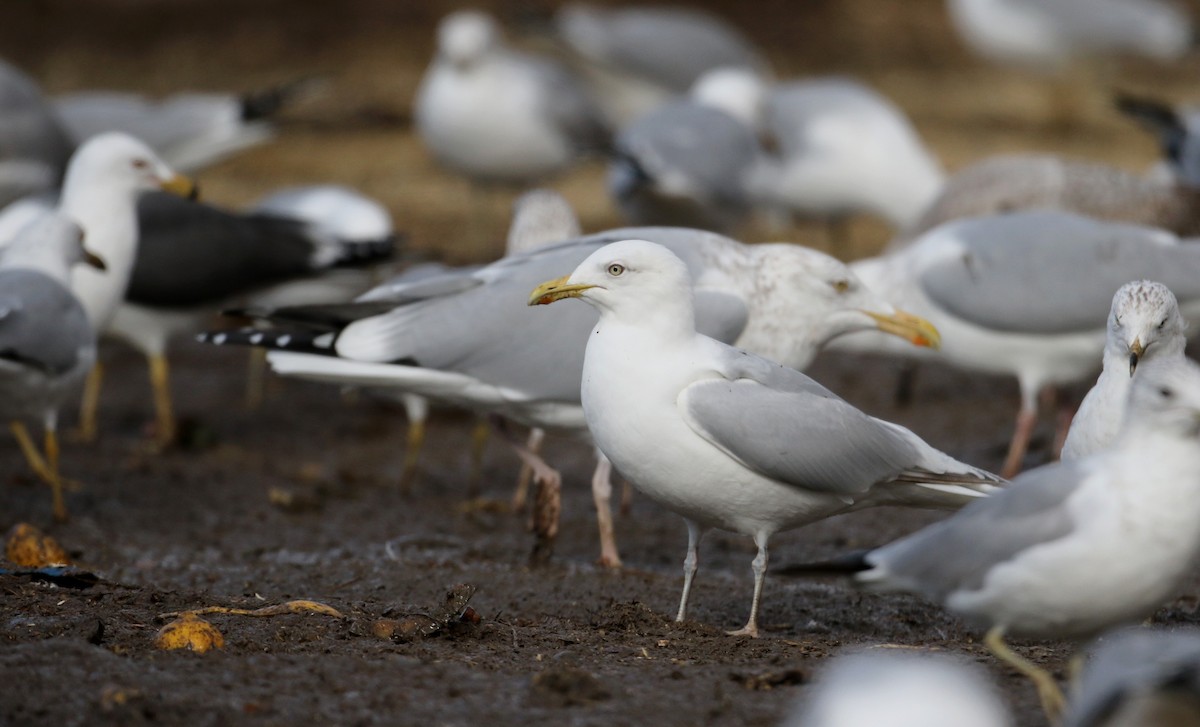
(565, 643)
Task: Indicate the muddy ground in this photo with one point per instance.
(206, 523)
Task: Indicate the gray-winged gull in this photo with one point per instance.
(638, 58)
(1144, 325)
(687, 162)
(838, 147)
(1139, 677)
(494, 114)
(47, 345)
(188, 130)
(1048, 34)
(466, 338)
(34, 148)
(1070, 549)
(895, 688)
(1025, 295)
(723, 437)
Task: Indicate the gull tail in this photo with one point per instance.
(843, 565)
(299, 341)
(357, 253)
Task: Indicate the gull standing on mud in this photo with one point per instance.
(47, 345)
(1071, 549)
(466, 339)
(1144, 325)
(726, 438)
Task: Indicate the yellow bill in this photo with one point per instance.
(556, 289)
(181, 186)
(914, 329)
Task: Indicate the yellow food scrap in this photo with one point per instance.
(189, 632)
(31, 548)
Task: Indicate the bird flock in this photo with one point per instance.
(680, 360)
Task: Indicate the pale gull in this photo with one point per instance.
(1025, 295)
(47, 345)
(838, 147)
(1070, 549)
(723, 437)
(466, 339)
(1049, 34)
(1144, 325)
(495, 114)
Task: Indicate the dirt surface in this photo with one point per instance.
(298, 499)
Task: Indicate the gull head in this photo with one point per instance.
(121, 162)
(738, 92)
(1165, 397)
(1144, 321)
(807, 288)
(631, 277)
(50, 242)
(466, 36)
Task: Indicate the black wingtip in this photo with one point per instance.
(266, 103)
(843, 565)
(273, 340)
(1156, 115)
(366, 252)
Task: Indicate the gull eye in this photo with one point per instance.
(1166, 393)
(841, 286)
(1163, 324)
(616, 269)
(140, 163)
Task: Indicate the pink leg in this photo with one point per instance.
(1026, 420)
(547, 499)
(602, 496)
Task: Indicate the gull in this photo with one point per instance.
(687, 162)
(34, 148)
(838, 146)
(881, 688)
(190, 130)
(1144, 324)
(494, 114)
(1069, 549)
(638, 58)
(1049, 34)
(194, 259)
(1139, 676)
(47, 345)
(962, 277)
(103, 181)
(465, 338)
(723, 437)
